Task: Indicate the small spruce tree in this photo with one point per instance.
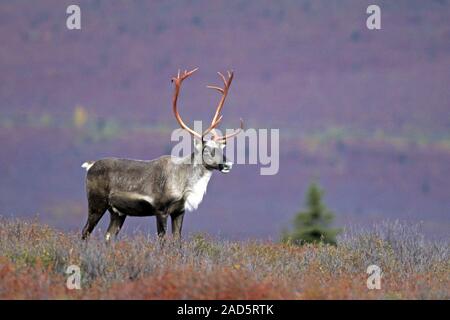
(313, 224)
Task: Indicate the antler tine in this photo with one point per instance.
(216, 88)
(228, 136)
(178, 80)
(180, 77)
(223, 78)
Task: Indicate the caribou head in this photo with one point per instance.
(208, 151)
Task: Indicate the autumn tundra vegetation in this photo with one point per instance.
(34, 259)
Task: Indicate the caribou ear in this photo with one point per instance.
(198, 145)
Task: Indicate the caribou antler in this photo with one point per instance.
(178, 80)
(224, 92)
(217, 116)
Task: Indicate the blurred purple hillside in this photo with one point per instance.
(364, 113)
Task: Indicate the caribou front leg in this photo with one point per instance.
(161, 225)
(177, 224)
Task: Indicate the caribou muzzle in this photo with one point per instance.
(225, 167)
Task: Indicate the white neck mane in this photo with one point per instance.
(196, 192)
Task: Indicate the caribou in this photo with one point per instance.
(163, 187)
